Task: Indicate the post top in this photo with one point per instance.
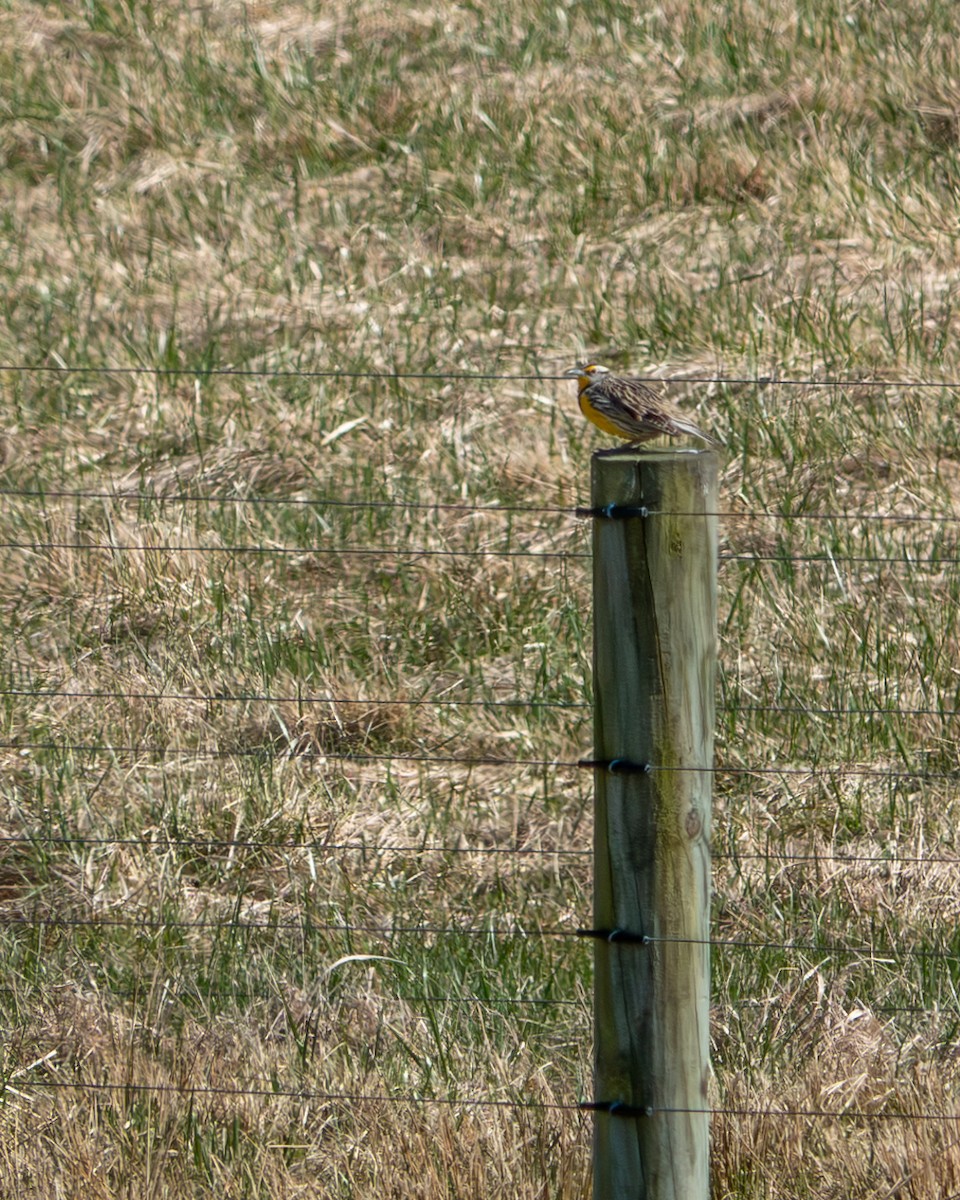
(650, 453)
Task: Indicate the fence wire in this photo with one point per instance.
(761, 381)
(515, 703)
(320, 847)
(162, 753)
(159, 498)
(310, 928)
(269, 1091)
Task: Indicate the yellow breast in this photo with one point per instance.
(598, 418)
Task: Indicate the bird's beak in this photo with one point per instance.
(572, 372)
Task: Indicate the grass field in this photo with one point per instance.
(214, 743)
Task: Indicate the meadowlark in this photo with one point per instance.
(627, 407)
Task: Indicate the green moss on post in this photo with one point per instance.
(654, 672)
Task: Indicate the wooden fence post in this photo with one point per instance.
(655, 563)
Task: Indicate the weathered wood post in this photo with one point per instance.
(655, 563)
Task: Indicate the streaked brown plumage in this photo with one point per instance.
(627, 407)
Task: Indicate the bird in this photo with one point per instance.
(627, 407)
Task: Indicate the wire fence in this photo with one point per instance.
(309, 928)
(126, 496)
(416, 552)
(236, 913)
(161, 753)
(514, 703)
(266, 1090)
(320, 846)
(202, 372)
